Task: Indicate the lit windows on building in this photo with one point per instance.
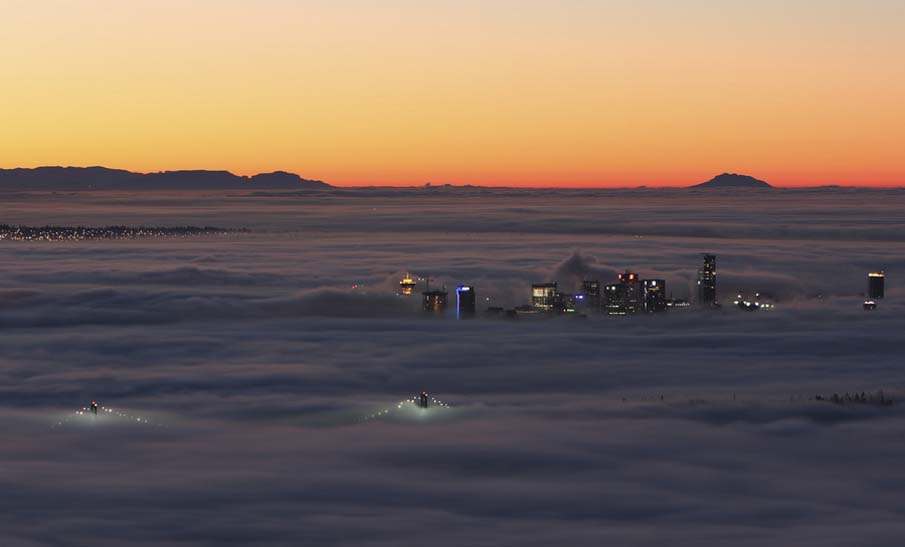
(707, 282)
(435, 301)
(634, 292)
(625, 297)
(614, 299)
(407, 285)
(543, 296)
(654, 295)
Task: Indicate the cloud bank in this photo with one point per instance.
(261, 354)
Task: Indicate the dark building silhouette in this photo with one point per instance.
(654, 295)
(465, 302)
(93, 407)
(407, 285)
(543, 296)
(565, 303)
(590, 294)
(876, 282)
(626, 297)
(614, 298)
(634, 292)
(435, 301)
(707, 282)
(423, 400)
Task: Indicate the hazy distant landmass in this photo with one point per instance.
(732, 180)
(102, 178)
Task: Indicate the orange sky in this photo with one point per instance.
(504, 92)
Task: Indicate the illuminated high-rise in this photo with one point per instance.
(465, 302)
(626, 297)
(876, 282)
(614, 298)
(707, 282)
(654, 295)
(543, 296)
(634, 292)
(407, 285)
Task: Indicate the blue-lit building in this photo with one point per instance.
(465, 302)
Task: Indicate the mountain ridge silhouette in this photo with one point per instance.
(104, 178)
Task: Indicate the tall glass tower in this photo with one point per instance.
(707, 282)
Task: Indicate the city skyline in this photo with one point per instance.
(529, 94)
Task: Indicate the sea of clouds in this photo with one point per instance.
(257, 358)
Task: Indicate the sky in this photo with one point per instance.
(404, 92)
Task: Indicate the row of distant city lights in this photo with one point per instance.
(81, 233)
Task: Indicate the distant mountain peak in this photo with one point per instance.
(733, 180)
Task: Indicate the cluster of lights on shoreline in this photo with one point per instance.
(85, 233)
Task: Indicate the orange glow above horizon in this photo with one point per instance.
(404, 92)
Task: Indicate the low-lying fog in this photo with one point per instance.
(250, 372)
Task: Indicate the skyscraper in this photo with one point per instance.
(543, 296)
(626, 297)
(876, 282)
(634, 292)
(465, 302)
(654, 295)
(614, 299)
(707, 282)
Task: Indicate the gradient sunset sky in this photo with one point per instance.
(492, 92)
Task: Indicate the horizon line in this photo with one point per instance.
(428, 184)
